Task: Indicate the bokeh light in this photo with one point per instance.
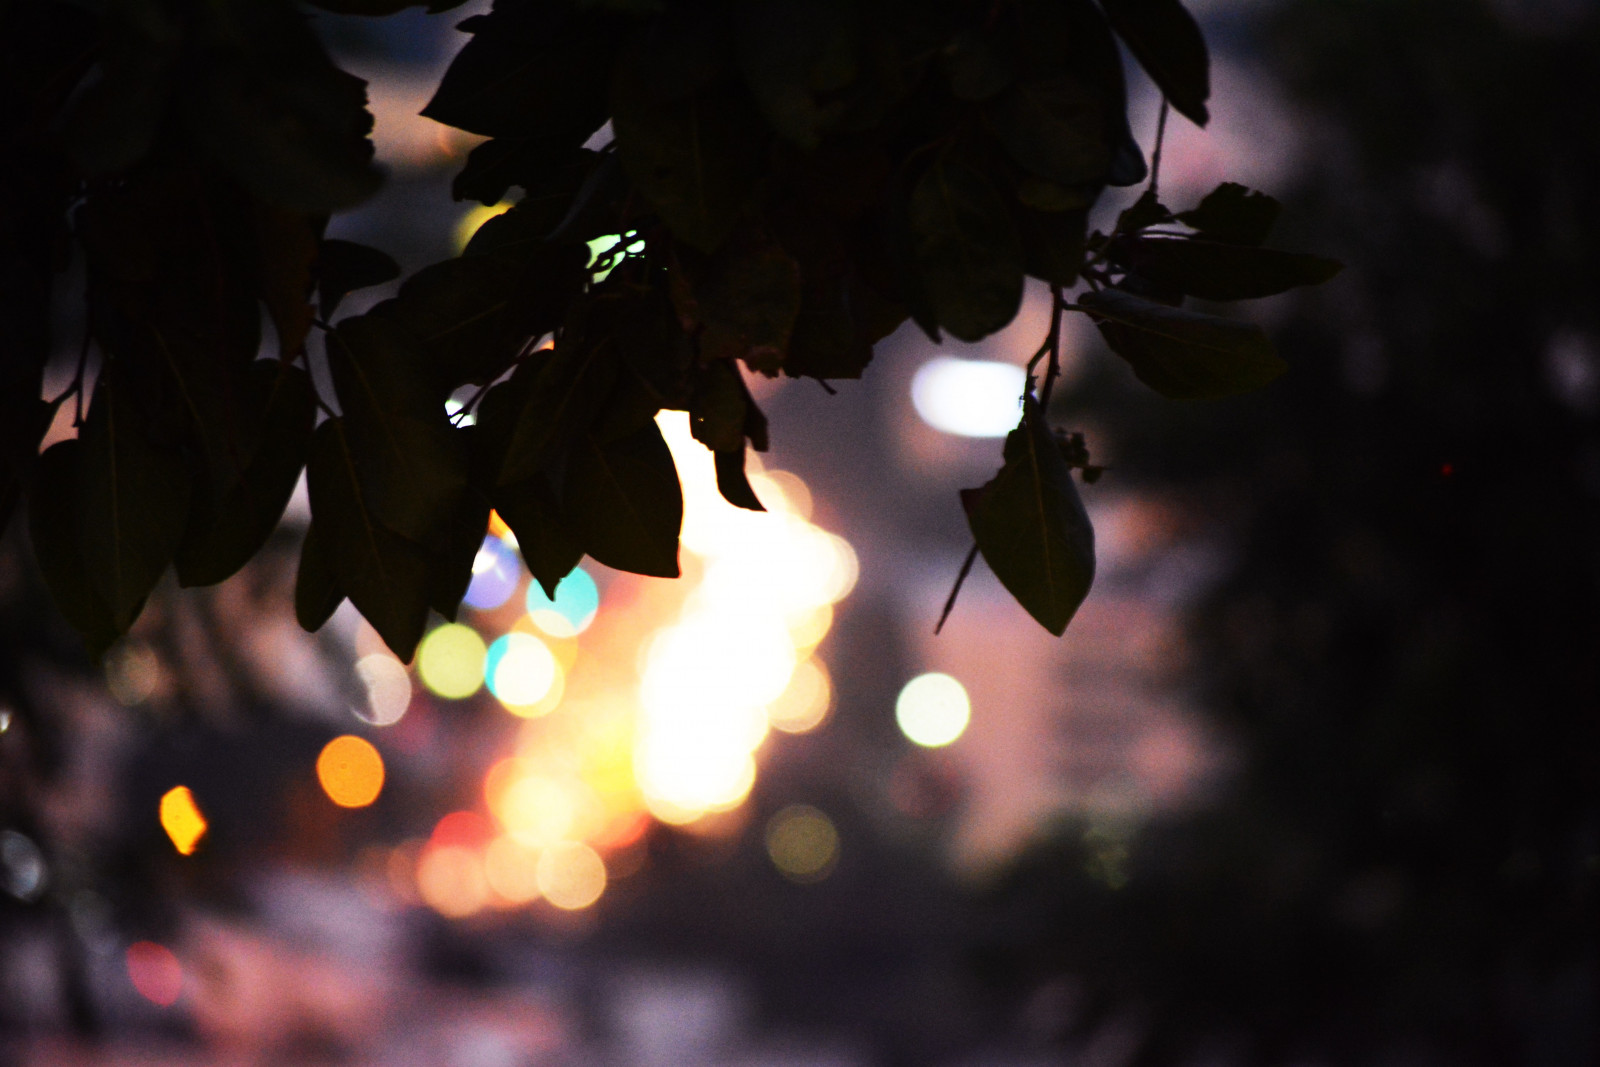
(387, 685)
(133, 671)
(969, 397)
(512, 870)
(573, 609)
(155, 972)
(182, 820)
(521, 672)
(805, 703)
(495, 574)
(450, 661)
(571, 875)
(802, 843)
(537, 810)
(933, 710)
(351, 771)
(451, 880)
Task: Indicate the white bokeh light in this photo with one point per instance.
(968, 397)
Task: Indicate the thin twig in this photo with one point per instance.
(83, 368)
(1155, 154)
(950, 602)
(1053, 371)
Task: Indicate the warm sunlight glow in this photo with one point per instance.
(181, 819)
(932, 710)
(351, 771)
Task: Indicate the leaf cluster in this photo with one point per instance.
(786, 182)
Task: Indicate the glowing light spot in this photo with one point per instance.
(537, 811)
(450, 661)
(462, 829)
(805, 703)
(576, 601)
(802, 843)
(932, 710)
(498, 528)
(571, 875)
(808, 630)
(132, 673)
(155, 972)
(23, 873)
(451, 880)
(967, 397)
(601, 246)
(521, 672)
(475, 217)
(512, 870)
(181, 819)
(495, 573)
(781, 490)
(388, 687)
(351, 771)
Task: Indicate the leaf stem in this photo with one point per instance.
(1155, 153)
(961, 577)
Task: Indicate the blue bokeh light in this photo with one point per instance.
(495, 573)
(576, 601)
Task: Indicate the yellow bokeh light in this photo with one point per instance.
(181, 819)
(450, 661)
(571, 875)
(802, 843)
(351, 771)
(805, 703)
(536, 810)
(933, 710)
(512, 870)
(524, 675)
(451, 880)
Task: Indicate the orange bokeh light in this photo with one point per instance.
(351, 771)
(181, 819)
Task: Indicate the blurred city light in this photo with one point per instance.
(155, 972)
(182, 820)
(521, 672)
(451, 880)
(351, 771)
(22, 868)
(805, 703)
(573, 609)
(388, 688)
(968, 397)
(571, 875)
(495, 574)
(450, 661)
(802, 843)
(932, 710)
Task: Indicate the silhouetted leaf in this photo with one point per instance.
(748, 301)
(1232, 213)
(463, 536)
(113, 120)
(966, 250)
(288, 242)
(316, 587)
(134, 503)
(1052, 243)
(1213, 270)
(1145, 211)
(796, 56)
(385, 576)
(976, 66)
(54, 527)
(1054, 127)
(532, 71)
(344, 266)
(624, 502)
(548, 547)
(223, 535)
(717, 412)
(1183, 354)
(383, 7)
(563, 392)
(732, 482)
(1168, 45)
(1031, 526)
(694, 149)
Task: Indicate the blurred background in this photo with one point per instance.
(1313, 778)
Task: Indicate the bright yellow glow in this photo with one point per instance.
(512, 870)
(388, 688)
(475, 217)
(802, 843)
(805, 703)
(351, 771)
(181, 819)
(450, 661)
(537, 811)
(571, 875)
(932, 710)
(782, 491)
(808, 630)
(451, 881)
